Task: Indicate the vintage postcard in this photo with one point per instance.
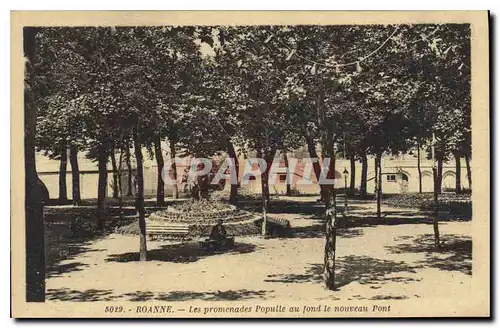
(250, 164)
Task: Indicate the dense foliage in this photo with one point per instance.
(257, 90)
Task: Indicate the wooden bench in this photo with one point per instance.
(157, 229)
(278, 221)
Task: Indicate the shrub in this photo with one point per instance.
(449, 202)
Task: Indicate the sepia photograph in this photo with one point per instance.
(266, 165)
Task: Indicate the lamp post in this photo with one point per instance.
(346, 174)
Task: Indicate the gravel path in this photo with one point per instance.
(373, 262)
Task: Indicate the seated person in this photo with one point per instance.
(218, 236)
(218, 231)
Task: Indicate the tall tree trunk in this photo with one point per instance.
(160, 185)
(439, 174)
(331, 221)
(75, 174)
(139, 198)
(175, 189)
(419, 170)
(375, 170)
(233, 196)
(102, 185)
(268, 156)
(352, 184)
(458, 175)
(328, 151)
(264, 187)
(435, 224)
(265, 203)
(120, 186)
(469, 175)
(288, 183)
(129, 171)
(34, 233)
(115, 173)
(63, 189)
(380, 180)
(311, 148)
(378, 173)
(364, 175)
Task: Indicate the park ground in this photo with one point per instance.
(389, 258)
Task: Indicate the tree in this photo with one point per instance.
(289, 180)
(172, 141)
(139, 197)
(376, 80)
(177, 71)
(442, 65)
(75, 173)
(265, 111)
(74, 90)
(364, 174)
(220, 104)
(316, 84)
(129, 170)
(34, 235)
(145, 92)
(160, 187)
(437, 54)
(63, 193)
(52, 138)
(116, 173)
(358, 90)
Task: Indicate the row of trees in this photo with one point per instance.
(360, 90)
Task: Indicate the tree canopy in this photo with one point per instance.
(353, 89)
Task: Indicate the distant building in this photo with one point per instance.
(399, 175)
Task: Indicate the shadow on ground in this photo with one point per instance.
(69, 231)
(364, 269)
(356, 220)
(61, 269)
(181, 253)
(372, 271)
(90, 295)
(63, 244)
(229, 295)
(312, 273)
(95, 295)
(455, 253)
(318, 231)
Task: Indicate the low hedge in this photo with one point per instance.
(275, 226)
(451, 203)
(246, 228)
